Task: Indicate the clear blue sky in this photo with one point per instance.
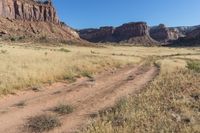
(95, 13)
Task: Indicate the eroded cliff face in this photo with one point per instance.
(164, 34)
(192, 38)
(35, 19)
(132, 33)
(103, 34)
(28, 10)
(129, 30)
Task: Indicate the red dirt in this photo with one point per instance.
(88, 97)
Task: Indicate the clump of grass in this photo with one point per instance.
(36, 88)
(87, 74)
(119, 121)
(63, 109)
(20, 104)
(194, 65)
(64, 50)
(42, 123)
(4, 51)
(69, 77)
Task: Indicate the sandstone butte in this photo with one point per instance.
(21, 19)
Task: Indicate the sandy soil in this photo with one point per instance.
(87, 96)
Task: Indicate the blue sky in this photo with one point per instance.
(95, 13)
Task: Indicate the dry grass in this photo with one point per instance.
(171, 65)
(23, 67)
(171, 103)
(28, 66)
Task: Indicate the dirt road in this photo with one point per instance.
(87, 96)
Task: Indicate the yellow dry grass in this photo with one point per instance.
(170, 103)
(23, 67)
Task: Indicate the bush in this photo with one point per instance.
(42, 123)
(64, 50)
(63, 109)
(194, 65)
(4, 51)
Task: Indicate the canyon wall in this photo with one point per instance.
(28, 10)
(34, 19)
(164, 34)
(132, 33)
(192, 38)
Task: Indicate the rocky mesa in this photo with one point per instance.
(139, 33)
(32, 19)
(135, 33)
(192, 38)
(165, 34)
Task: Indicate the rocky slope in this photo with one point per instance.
(185, 29)
(177, 36)
(164, 34)
(140, 34)
(32, 19)
(103, 34)
(192, 38)
(132, 33)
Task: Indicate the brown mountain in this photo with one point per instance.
(135, 33)
(25, 19)
(192, 38)
(165, 34)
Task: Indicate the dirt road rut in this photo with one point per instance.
(87, 96)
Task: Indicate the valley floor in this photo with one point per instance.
(99, 89)
(87, 97)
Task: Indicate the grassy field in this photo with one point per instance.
(23, 67)
(170, 103)
(29, 66)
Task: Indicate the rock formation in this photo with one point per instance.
(32, 18)
(132, 33)
(129, 30)
(192, 38)
(28, 10)
(185, 29)
(164, 34)
(103, 34)
(194, 34)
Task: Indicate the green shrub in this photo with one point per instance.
(194, 65)
(64, 50)
(63, 109)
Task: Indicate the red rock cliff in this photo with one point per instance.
(30, 10)
(135, 33)
(32, 20)
(164, 34)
